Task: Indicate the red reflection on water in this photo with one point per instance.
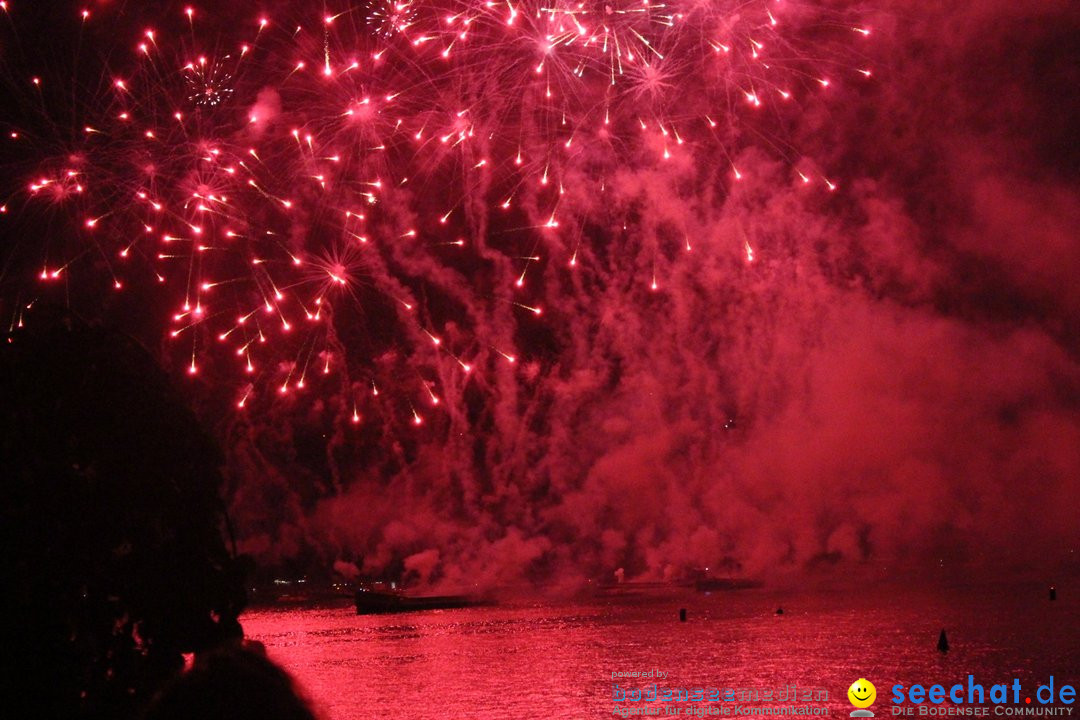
(557, 661)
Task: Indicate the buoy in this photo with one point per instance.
(779, 611)
(682, 614)
(943, 642)
(1053, 593)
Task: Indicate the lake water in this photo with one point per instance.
(557, 660)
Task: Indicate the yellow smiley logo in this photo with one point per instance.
(862, 693)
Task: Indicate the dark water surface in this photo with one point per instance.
(557, 660)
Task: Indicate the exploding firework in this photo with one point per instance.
(401, 167)
(209, 84)
(391, 17)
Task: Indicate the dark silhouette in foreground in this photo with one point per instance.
(943, 642)
(116, 562)
(233, 683)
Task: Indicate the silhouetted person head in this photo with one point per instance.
(117, 563)
(232, 683)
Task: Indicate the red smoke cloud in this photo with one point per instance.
(891, 381)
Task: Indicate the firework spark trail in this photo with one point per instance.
(282, 180)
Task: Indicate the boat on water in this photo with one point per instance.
(381, 602)
(711, 584)
(697, 579)
(634, 588)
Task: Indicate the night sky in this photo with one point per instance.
(769, 299)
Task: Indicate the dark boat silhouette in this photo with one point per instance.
(635, 587)
(698, 582)
(380, 602)
(711, 584)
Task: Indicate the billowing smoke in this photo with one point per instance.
(753, 377)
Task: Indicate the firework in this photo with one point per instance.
(281, 181)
